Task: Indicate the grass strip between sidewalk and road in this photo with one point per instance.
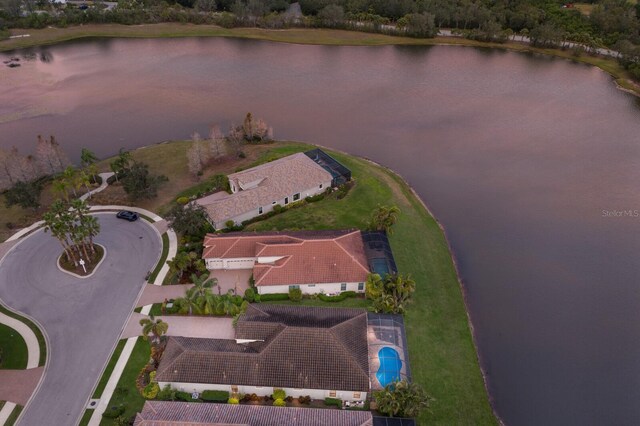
(11, 420)
(126, 393)
(163, 258)
(106, 374)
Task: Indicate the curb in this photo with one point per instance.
(104, 256)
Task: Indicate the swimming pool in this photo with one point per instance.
(380, 266)
(390, 366)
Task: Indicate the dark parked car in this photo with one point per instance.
(127, 215)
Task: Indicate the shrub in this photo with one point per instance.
(184, 396)
(215, 395)
(295, 294)
(242, 154)
(167, 394)
(344, 190)
(250, 295)
(151, 391)
(113, 411)
(237, 300)
(279, 394)
(333, 401)
(233, 401)
(304, 400)
(182, 200)
(314, 198)
(279, 403)
(339, 298)
(274, 297)
(229, 224)
(258, 298)
(278, 208)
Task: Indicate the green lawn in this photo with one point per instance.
(442, 355)
(126, 393)
(13, 349)
(41, 341)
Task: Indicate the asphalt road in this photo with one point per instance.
(83, 318)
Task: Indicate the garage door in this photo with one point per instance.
(239, 264)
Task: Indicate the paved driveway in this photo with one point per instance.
(83, 318)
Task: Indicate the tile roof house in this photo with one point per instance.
(170, 413)
(320, 352)
(257, 190)
(314, 261)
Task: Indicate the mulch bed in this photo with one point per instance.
(90, 264)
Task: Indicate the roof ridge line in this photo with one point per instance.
(351, 357)
(349, 254)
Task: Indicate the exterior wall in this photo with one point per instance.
(267, 208)
(329, 288)
(265, 390)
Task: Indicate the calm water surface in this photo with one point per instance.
(517, 155)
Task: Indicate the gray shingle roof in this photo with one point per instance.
(267, 183)
(298, 347)
(167, 413)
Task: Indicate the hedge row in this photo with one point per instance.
(339, 298)
(274, 297)
(215, 395)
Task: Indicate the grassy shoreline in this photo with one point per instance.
(52, 35)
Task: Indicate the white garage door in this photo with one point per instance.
(239, 264)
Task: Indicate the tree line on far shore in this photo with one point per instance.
(611, 23)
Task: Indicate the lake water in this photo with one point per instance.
(526, 160)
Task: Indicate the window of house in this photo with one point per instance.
(360, 286)
(320, 186)
(296, 197)
(332, 394)
(311, 285)
(259, 210)
(343, 287)
(286, 200)
(273, 203)
(291, 287)
(356, 395)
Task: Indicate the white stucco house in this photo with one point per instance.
(319, 352)
(327, 262)
(258, 190)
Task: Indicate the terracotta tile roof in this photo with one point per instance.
(267, 183)
(298, 347)
(311, 257)
(171, 413)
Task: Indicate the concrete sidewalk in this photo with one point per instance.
(186, 326)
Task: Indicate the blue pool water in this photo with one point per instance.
(390, 366)
(380, 266)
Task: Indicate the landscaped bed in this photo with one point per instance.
(90, 264)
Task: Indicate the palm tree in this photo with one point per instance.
(202, 284)
(69, 175)
(402, 399)
(383, 218)
(60, 187)
(156, 327)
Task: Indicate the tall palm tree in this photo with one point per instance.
(156, 327)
